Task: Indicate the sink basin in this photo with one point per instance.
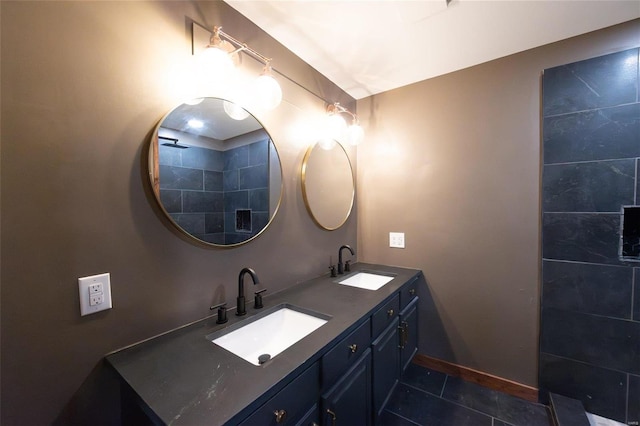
(269, 334)
(367, 280)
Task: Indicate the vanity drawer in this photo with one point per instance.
(385, 315)
(288, 406)
(345, 353)
(409, 292)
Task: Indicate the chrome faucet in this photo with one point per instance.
(240, 308)
(340, 264)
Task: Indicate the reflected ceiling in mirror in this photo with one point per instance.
(328, 186)
(215, 172)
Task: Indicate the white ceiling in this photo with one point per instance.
(371, 46)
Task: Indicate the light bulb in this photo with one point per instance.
(335, 126)
(195, 123)
(267, 91)
(194, 101)
(327, 143)
(355, 134)
(215, 68)
(235, 111)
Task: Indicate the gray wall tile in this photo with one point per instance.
(603, 341)
(588, 288)
(601, 186)
(236, 158)
(203, 158)
(171, 200)
(581, 237)
(172, 177)
(593, 135)
(594, 83)
(602, 391)
(213, 181)
(201, 202)
(259, 153)
(633, 413)
(254, 177)
(636, 296)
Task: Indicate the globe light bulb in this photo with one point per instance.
(355, 134)
(327, 143)
(235, 111)
(335, 126)
(267, 91)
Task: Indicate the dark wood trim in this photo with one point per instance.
(478, 377)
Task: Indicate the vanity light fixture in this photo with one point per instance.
(338, 127)
(218, 61)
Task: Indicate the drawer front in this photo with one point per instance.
(345, 353)
(408, 293)
(288, 406)
(385, 315)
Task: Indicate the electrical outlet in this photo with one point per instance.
(95, 293)
(96, 299)
(95, 288)
(396, 239)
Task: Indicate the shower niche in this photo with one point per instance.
(630, 235)
(217, 178)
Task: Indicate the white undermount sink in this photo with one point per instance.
(367, 280)
(270, 334)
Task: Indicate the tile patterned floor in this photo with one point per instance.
(429, 398)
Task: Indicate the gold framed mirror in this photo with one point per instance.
(328, 185)
(218, 179)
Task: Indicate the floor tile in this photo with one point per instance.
(390, 419)
(426, 409)
(424, 379)
(497, 404)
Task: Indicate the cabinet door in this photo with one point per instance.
(385, 366)
(348, 402)
(291, 404)
(408, 333)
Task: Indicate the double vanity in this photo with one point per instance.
(327, 351)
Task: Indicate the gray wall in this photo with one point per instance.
(590, 319)
(83, 86)
(454, 162)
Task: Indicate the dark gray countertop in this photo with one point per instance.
(183, 378)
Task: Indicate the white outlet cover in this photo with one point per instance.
(396, 239)
(83, 291)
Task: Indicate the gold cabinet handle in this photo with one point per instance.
(390, 312)
(412, 292)
(333, 417)
(281, 415)
(353, 348)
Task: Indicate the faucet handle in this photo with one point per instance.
(347, 266)
(257, 303)
(222, 312)
(333, 270)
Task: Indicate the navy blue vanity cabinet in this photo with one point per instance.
(408, 330)
(293, 405)
(348, 401)
(345, 353)
(386, 362)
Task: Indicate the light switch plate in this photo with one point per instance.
(95, 293)
(396, 239)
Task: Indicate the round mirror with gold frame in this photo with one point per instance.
(328, 185)
(215, 172)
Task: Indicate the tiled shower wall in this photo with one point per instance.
(202, 189)
(590, 305)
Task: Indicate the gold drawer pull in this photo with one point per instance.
(412, 292)
(333, 417)
(353, 348)
(281, 415)
(390, 312)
